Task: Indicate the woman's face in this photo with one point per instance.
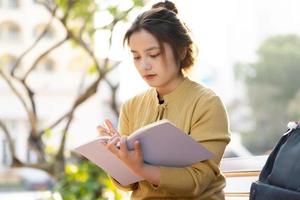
(159, 69)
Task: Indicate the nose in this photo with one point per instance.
(145, 64)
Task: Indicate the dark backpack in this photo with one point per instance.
(280, 177)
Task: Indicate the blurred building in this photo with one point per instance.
(56, 79)
(226, 34)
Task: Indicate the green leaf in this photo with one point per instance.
(48, 133)
(138, 3)
(92, 70)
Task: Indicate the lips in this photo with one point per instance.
(149, 76)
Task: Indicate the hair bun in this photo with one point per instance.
(166, 4)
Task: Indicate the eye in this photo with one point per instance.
(154, 55)
(136, 57)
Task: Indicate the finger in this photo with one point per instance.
(105, 139)
(114, 136)
(123, 145)
(108, 129)
(112, 146)
(102, 130)
(111, 127)
(138, 148)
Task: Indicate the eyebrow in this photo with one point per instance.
(148, 49)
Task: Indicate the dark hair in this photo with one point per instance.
(162, 22)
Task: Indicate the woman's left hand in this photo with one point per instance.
(134, 159)
(117, 144)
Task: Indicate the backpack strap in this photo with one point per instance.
(270, 161)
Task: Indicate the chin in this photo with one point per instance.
(152, 84)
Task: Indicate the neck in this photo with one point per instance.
(172, 86)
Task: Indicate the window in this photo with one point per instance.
(49, 65)
(10, 32)
(50, 33)
(4, 151)
(46, 65)
(13, 3)
(9, 3)
(8, 61)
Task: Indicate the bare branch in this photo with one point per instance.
(54, 124)
(37, 144)
(33, 66)
(47, 4)
(88, 50)
(115, 21)
(84, 96)
(81, 84)
(13, 88)
(30, 93)
(107, 69)
(85, 24)
(9, 138)
(92, 89)
(81, 98)
(114, 89)
(30, 48)
(61, 150)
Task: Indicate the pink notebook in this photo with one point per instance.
(163, 144)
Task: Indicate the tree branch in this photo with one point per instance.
(115, 21)
(30, 48)
(54, 124)
(29, 92)
(41, 56)
(86, 95)
(13, 88)
(61, 150)
(92, 89)
(114, 89)
(88, 50)
(15, 160)
(81, 98)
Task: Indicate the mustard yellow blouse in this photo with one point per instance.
(199, 112)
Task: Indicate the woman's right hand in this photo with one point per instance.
(107, 129)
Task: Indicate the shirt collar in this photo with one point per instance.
(175, 94)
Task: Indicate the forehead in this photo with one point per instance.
(142, 40)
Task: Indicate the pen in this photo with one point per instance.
(105, 139)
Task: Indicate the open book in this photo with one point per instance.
(163, 144)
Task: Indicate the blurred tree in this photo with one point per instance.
(85, 181)
(294, 106)
(77, 19)
(272, 84)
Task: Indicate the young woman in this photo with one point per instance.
(163, 52)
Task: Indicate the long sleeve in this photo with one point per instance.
(210, 128)
(197, 111)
